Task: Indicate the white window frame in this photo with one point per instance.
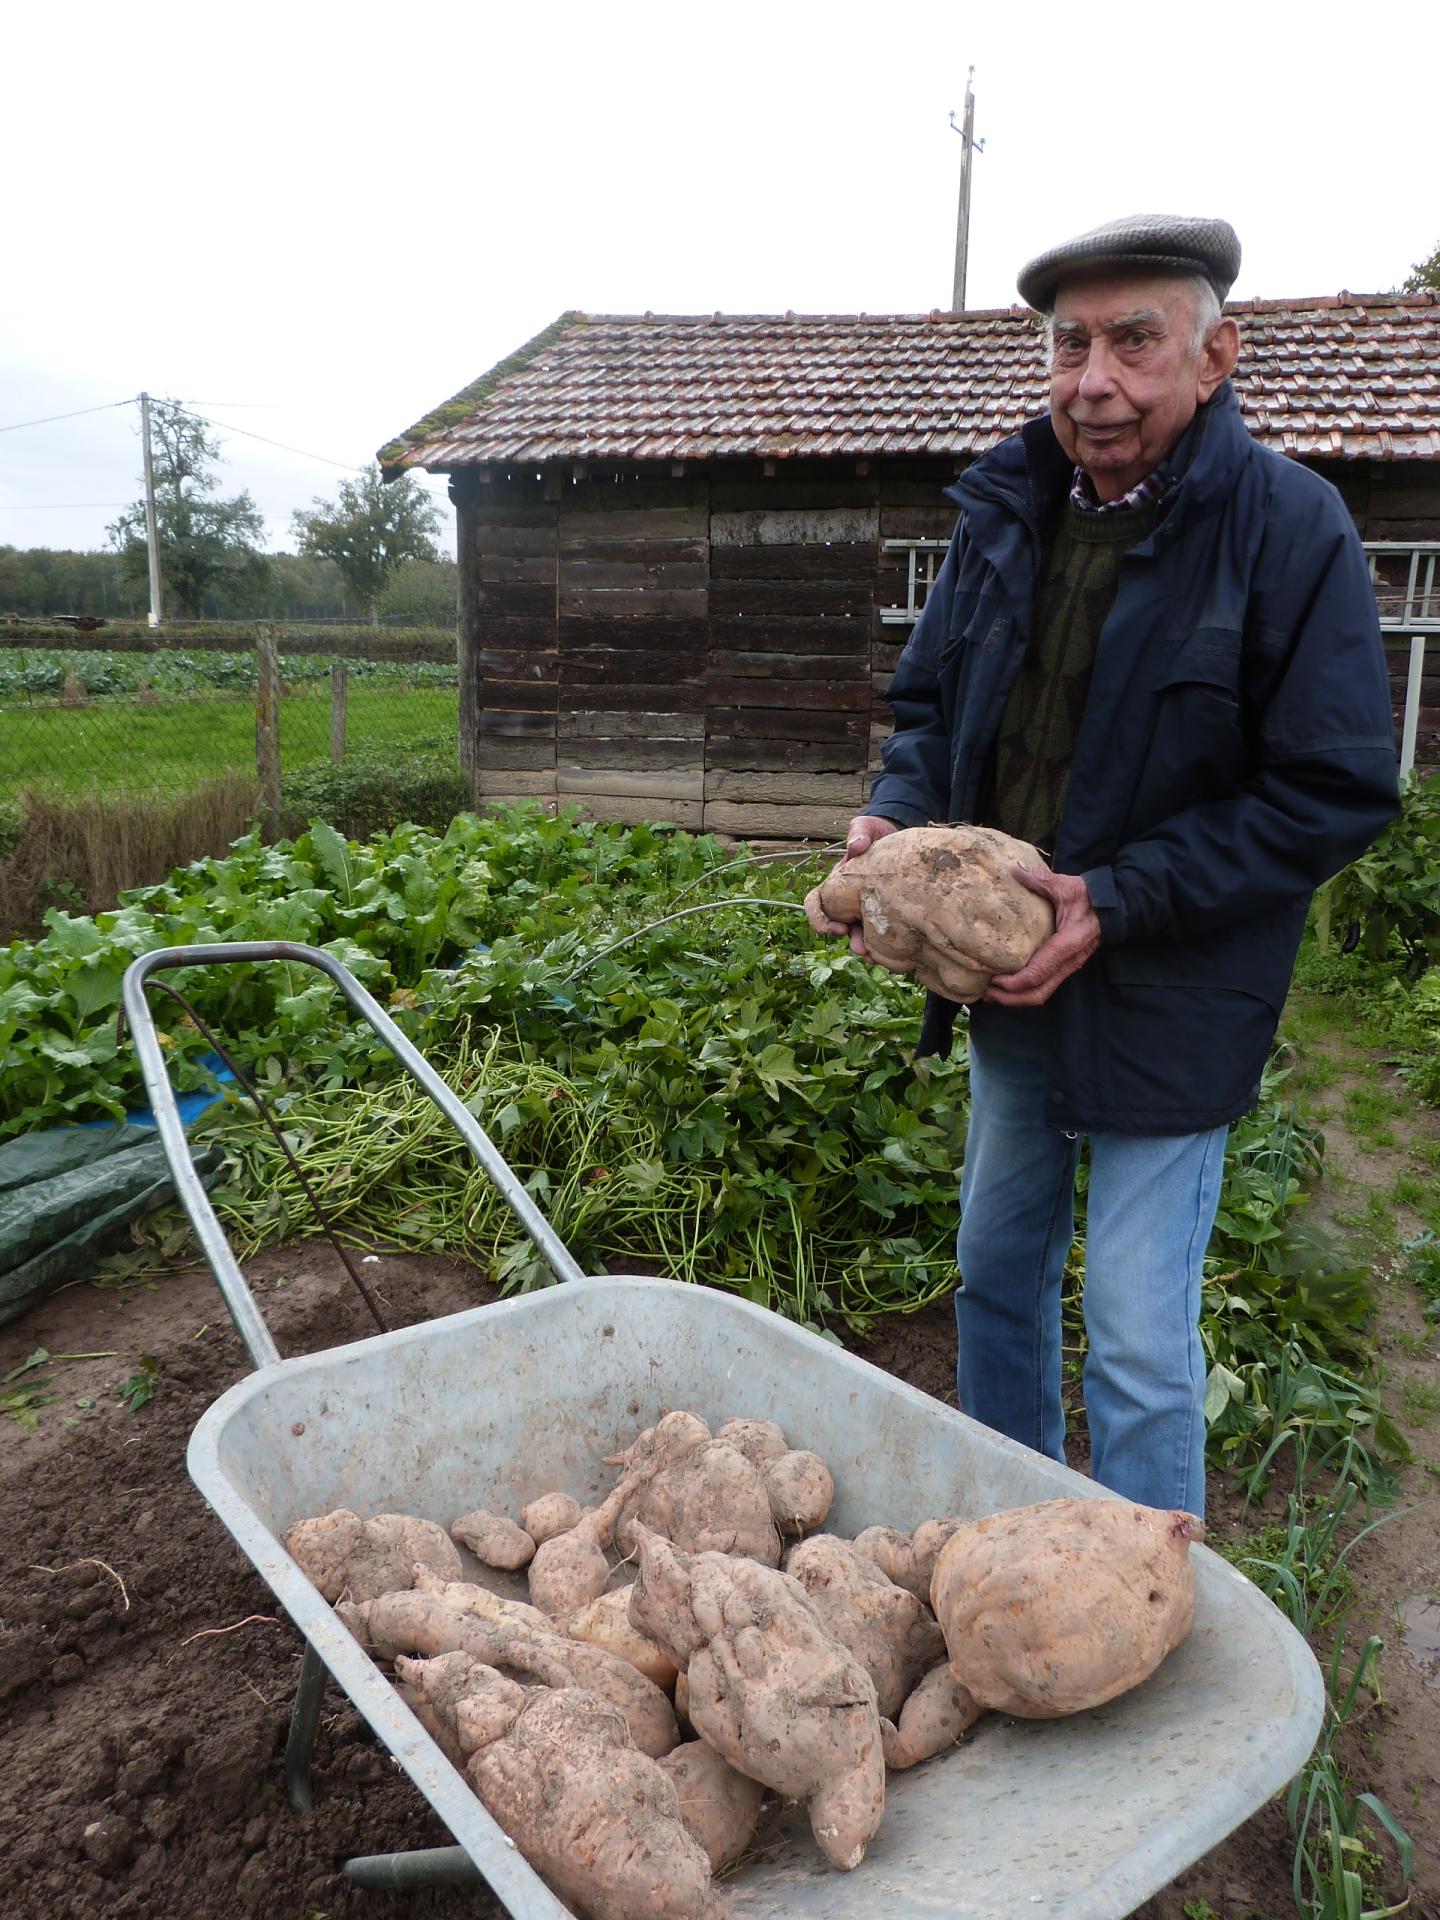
(923, 564)
(1417, 615)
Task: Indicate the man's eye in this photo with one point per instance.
(1136, 338)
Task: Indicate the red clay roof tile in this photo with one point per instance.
(1350, 375)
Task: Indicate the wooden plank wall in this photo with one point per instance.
(792, 595)
(633, 587)
(509, 672)
(702, 648)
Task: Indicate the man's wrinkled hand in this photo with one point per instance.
(1076, 936)
(864, 830)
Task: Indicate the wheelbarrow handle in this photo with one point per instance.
(234, 1288)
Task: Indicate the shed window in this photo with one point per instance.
(1407, 584)
(923, 563)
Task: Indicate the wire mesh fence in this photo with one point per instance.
(140, 716)
(124, 752)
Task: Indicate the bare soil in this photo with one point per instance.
(146, 1679)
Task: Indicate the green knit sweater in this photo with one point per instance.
(1041, 721)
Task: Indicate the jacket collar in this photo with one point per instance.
(1029, 474)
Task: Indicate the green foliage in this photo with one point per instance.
(201, 539)
(370, 530)
(140, 1388)
(23, 1404)
(1392, 892)
(1424, 273)
(42, 672)
(370, 794)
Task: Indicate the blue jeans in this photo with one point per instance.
(1151, 1204)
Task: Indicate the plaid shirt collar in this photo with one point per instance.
(1153, 487)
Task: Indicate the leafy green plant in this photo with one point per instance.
(367, 795)
(1390, 892)
(23, 1404)
(140, 1388)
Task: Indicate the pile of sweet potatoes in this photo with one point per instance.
(674, 1607)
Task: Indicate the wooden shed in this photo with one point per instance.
(692, 546)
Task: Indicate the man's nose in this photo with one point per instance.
(1098, 378)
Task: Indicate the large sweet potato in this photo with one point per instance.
(940, 903)
(701, 1493)
(426, 1624)
(768, 1687)
(1050, 1609)
(718, 1804)
(560, 1773)
(892, 1634)
(362, 1559)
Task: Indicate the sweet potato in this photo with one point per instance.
(343, 1554)
(940, 903)
(892, 1634)
(494, 1540)
(561, 1775)
(606, 1623)
(572, 1568)
(1050, 1609)
(423, 1623)
(699, 1492)
(799, 1483)
(718, 1806)
(907, 1558)
(933, 1718)
(801, 1491)
(460, 1702)
(768, 1688)
(598, 1819)
(466, 1597)
(552, 1513)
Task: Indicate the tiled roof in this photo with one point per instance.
(1350, 375)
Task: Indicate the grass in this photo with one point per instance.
(1419, 1402)
(67, 852)
(70, 752)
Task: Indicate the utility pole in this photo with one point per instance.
(152, 540)
(970, 145)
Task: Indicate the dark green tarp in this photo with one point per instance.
(66, 1194)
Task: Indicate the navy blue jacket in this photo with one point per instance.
(1237, 749)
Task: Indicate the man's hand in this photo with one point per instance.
(1076, 936)
(865, 829)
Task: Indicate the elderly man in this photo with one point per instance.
(1152, 651)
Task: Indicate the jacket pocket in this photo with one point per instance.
(1207, 660)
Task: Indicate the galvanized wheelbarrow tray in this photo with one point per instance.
(1082, 1818)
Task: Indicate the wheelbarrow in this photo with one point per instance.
(1082, 1818)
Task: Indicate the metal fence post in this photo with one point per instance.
(339, 698)
(267, 729)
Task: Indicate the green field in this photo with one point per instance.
(169, 745)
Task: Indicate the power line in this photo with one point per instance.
(56, 506)
(348, 466)
(107, 407)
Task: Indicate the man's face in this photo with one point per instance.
(1124, 380)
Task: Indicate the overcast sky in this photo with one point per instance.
(316, 221)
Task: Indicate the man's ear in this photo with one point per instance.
(1217, 358)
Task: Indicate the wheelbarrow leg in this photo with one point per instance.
(304, 1720)
(425, 1867)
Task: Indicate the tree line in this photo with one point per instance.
(36, 582)
(369, 553)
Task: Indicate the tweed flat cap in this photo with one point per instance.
(1164, 242)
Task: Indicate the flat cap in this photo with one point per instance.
(1159, 242)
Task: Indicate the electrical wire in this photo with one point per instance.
(56, 506)
(205, 420)
(107, 406)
